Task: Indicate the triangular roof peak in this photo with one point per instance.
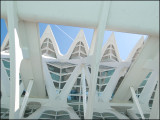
(139, 44)
(111, 39)
(80, 33)
(48, 29)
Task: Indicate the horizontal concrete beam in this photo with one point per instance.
(141, 17)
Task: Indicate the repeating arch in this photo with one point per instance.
(136, 50)
(79, 48)
(48, 44)
(110, 50)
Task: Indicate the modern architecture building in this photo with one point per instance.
(38, 82)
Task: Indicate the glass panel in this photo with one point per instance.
(102, 88)
(140, 90)
(99, 118)
(8, 72)
(82, 44)
(6, 64)
(76, 49)
(74, 56)
(44, 45)
(107, 114)
(62, 85)
(143, 83)
(106, 52)
(53, 68)
(83, 50)
(153, 95)
(78, 81)
(110, 118)
(54, 76)
(89, 69)
(46, 40)
(110, 72)
(56, 85)
(31, 107)
(78, 43)
(75, 90)
(65, 77)
(50, 46)
(96, 114)
(107, 80)
(81, 107)
(83, 55)
(64, 117)
(68, 70)
(47, 116)
(73, 99)
(150, 103)
(75, 107)
(148, 75)
(61, 112)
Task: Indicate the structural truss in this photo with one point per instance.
(38, 82)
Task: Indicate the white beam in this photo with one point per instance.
(51, 90)
(107, 93)
(123, 14)
(96, 52)
(31, 67)
(150, 50)
(84, 90)
(25, 99)
(148, 88)
(135, 99)
(15, 59)
(70, 82)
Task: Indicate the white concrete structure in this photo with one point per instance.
(38, 82)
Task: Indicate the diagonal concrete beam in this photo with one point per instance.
(150, 50)
(135, 99)
(24, 102)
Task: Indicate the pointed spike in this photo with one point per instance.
(48, 29)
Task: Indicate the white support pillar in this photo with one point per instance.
(24, 103)
(84, 90)
(15, 59)
(95, 52)
(135, 99)
(155, 107)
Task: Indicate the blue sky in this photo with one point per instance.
(125, 41)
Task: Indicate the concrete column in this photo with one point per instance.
(95, 54)
(15, 59)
